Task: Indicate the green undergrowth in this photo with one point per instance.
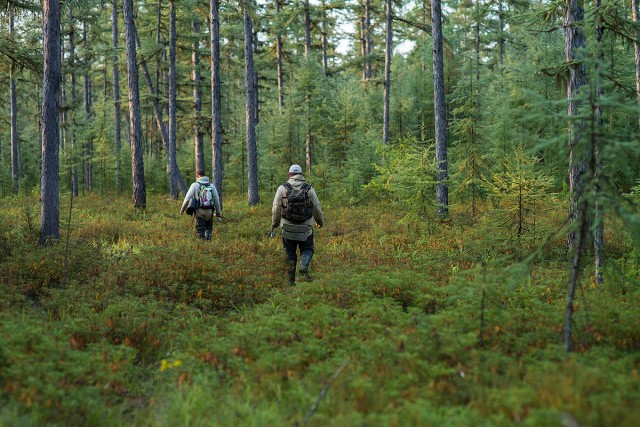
(434, 323)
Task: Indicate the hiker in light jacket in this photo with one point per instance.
(203, 215)
(298, 233)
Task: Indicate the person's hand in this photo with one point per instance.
(181, 212)
(318, 225)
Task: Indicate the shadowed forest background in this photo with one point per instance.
(477, 164)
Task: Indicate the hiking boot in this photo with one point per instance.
(304, 276)
(292, 275)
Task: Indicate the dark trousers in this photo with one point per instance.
(204, 223)
(306, 252)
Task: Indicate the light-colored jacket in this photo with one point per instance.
(193, 192)
(296, 182)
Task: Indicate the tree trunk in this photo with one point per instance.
(575, 41)
(324, 39)
(596, 162)
(250, 101)
(501, 33)
(72, 113)
(307, 29)
(368, 37)
(88, 154)
(636, 50)
(216, 105)
(15, 156)
(197, 96)
(387, 73)
(164, 133)
(135, 127)
(116, 93)
(363, 47)
(279, 58)
(49, 180)
(442, 191)
(171, 152)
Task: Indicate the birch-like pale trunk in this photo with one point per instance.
(279, 58)
(49, 180)
(636, 50)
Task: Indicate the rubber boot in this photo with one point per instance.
(305, 260)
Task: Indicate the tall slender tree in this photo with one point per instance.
(387, 71)
(72, 119)
(250, 105)
(574, 43)
(15, 147)
(636, 49)
(116, 94)
(88, 145)
(171, 152)
(442, 190)
(135, 122)
(198, 135)
(49, 180)
(279, 55)
(216, 106)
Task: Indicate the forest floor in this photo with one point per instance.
(405, 323)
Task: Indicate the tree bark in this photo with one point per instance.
(324, 39)
(307, 29)
(250, 101)
(164, 133)
(116, 94)
(636, 50)
(596, 159)
(197, 96)
(135, 127)
(216, 105)
(171, 152)
(49, 180)
(575, 41)
(442, 191)
(88, 152)
(15, 148)
(368, 38)
(279, 58)
(387, 73)
(72, 113)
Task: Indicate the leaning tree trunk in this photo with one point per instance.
(15, 153)
(116, 93)
(171, 153)
(575, 42)
(216, 105)
(387, 73)
(250, 104)
(49, 180)
(198, 135)
(135, 127)
(88, 152)
(442, 191)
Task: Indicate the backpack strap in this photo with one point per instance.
(288, 187)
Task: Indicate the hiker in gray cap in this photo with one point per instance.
(295, 207)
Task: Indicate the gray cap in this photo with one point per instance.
(295, 169)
